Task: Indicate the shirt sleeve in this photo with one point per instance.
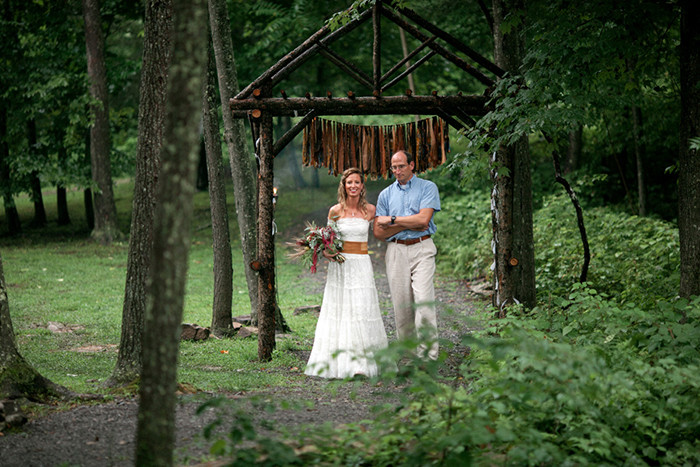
(430, 197)
(382, 204)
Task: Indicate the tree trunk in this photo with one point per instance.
(35, 183)
(221, 317)
(511, 197)
(234, 134)
(267, 297)
(61, 198)
(106, 228)
(689, 177)
(176, 187)
(17, 377)
(154, 75)
(62, 205)
(13, 222)
(573, 152)
(639, 157)
(87, 192)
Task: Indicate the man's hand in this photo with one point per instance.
(383, 221)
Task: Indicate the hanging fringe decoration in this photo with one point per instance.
(339, 146)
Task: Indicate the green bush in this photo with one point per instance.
(633, 258)
(586, 382)
(464, 235)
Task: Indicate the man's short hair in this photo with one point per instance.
(409, 156)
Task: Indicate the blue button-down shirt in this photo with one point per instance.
(406, 200)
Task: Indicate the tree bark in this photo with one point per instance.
(35, 183)
(639, 158)
(511, 197)
(154, 76)
(14, 224)
(267, 297)
(472, 105)
(62, 206)
(689, 177)
(234, 133)
(162, 322)
(221, 317)
(87, 192)
(106, 228)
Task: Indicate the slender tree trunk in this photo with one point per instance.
(62, 205)
(639, 157)
(37, 197)
(573, 152)
(511, 197)
(106, 227)
(202, 169)
(13, 222)
(221, 318)
(87, 192)
(162, 324)
(154, 76)
(234, 133)
(689, 176)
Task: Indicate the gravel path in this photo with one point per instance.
(103, 434)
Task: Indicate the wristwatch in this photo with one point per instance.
(393, 220)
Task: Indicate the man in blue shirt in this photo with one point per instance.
(404, 219)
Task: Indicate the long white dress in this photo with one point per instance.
(350, 325)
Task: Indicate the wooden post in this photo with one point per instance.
(267, 295)
(377, 47)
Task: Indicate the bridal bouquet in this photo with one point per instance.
(315, 241)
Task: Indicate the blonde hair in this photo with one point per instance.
(342, 194)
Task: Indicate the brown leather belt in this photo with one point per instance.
(412, 241)
(355, 248)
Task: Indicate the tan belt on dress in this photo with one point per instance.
(355, 248)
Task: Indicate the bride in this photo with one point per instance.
(350, 325)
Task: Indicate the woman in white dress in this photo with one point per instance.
(350, 326)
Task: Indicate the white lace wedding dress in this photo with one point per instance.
(350, 325)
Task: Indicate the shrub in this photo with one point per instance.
(633, 258)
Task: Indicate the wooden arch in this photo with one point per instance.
(256, 103)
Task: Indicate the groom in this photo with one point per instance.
(405, 220)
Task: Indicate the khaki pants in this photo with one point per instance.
(410, 270)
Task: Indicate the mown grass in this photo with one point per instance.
(57, 275)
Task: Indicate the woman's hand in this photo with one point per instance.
(328, 255)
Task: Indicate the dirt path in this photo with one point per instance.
(103, 434)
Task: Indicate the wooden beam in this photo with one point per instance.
(306, 55)
(283, 62)
(377, 45)
(406, 105)
(292, 132)
(405, 59)
(349, 68)
(453, 122)
(301, 54)
(415, 32)
(418, 63)
(453, 41)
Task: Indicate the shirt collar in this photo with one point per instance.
(408, 184)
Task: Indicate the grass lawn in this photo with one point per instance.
(66, 295)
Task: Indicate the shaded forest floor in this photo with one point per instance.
(104, 433)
